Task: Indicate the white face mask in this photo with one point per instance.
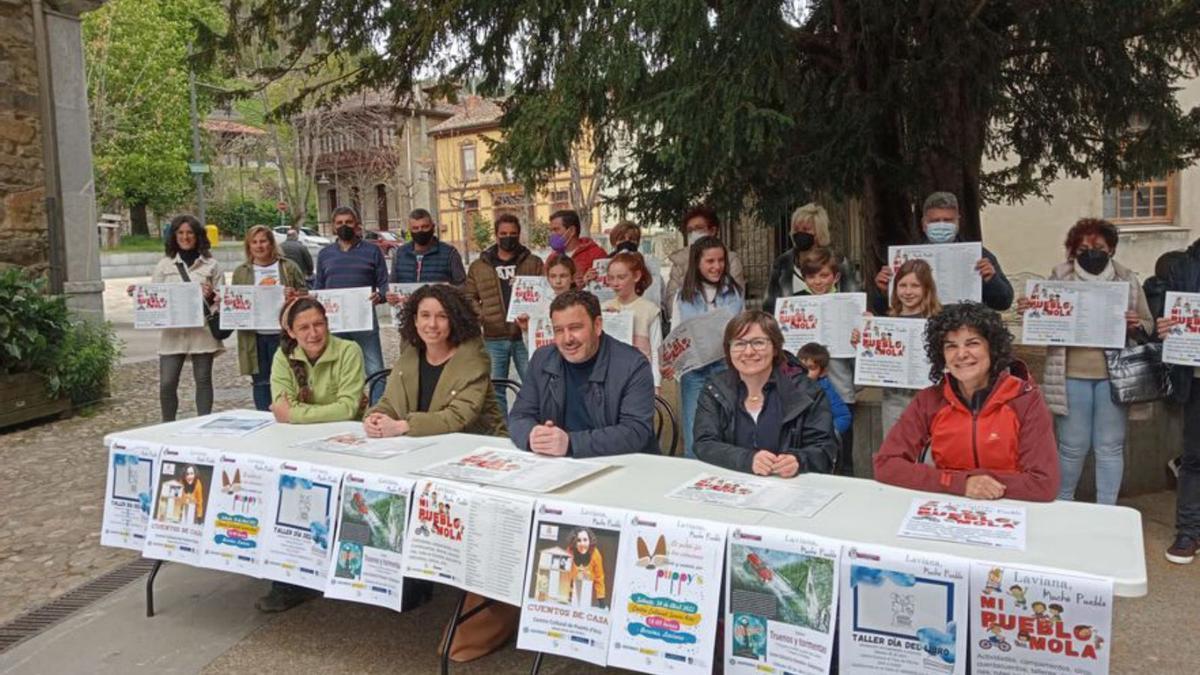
(695, 236)
(941, 231)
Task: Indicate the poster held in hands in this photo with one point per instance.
(513, 469)
(902, 612)
(540, 334)
(1075, 313)
(470, 538)
(891, 353)
(296, 547)
(572, 571)
(404, 291)
(664, 610)
(182, 484)
(953, 268)
(1030, 621)
(127, 492)
(695, 343)
(368, 551)
(825, 319)
(1182, 346)
(599, 286)
(251, 307)
(157, 306)
(531, 295)
(348, 310)
(782, 593)
(966, 522)
(617, 324)
(754, 493)
(240, 504)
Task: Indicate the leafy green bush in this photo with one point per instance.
(32, 325)
(234, 217)
(85, 361)
(539, 234)
(481, 232)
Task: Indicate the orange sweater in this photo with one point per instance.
(593, 571)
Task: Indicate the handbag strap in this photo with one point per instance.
(183, 273)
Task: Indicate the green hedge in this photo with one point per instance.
(235, 217)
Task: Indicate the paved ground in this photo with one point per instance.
(51, 488)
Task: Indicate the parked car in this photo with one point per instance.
(386, 241)
(313, 241)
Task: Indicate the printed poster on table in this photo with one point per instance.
(695, 343)
(891, 353)
(1029, 621)
(233, 424)
(251, 307)
(540, 333)
(127, 492)
(296, 548)
(1076, 313)
(404, 291)
(664, 610)
(240, 505)
(566, 608)
(1182, 345)
(825, 319)
(157, 306)
(902, 612)
(782, 599)
(471, 538)
(617, 324)
(356, 443)
(599, 286)
(953, 268)
(777, 496)
(348, 310)
(530, 296)
(513, 469)
(180, 496)
(368, 552)
(966, 522)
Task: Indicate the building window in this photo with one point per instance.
(560, 200)
(467, 161)
(471, 209)
(1148, 202)
(331, 195)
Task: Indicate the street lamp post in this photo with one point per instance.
(197, 161)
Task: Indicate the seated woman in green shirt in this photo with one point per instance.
(315, 376)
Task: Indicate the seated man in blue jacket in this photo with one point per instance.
(587, 394)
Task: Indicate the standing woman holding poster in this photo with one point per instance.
(1076, 383)
(264, 266)
(810, 228)
(187, 260)
(707, 286)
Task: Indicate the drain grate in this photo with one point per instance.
(37, 620)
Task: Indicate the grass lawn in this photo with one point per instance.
(142, 244)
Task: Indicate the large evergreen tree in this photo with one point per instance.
(761, 103)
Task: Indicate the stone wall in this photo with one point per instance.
(23, 228)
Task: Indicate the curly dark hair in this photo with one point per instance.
(974, 315)
(464, 320)
(171, 245)
(1088, 226)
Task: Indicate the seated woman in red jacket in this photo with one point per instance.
(983, 420)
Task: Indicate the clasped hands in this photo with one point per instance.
(379, 425)
(549, 439)
(783, 464)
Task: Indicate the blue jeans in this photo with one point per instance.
(1093, 422)
(689, 396)
(501, 351)
(1187, 495)
(372, 351)
(264, 346)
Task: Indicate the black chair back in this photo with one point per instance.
(665, 420)
(377, 376)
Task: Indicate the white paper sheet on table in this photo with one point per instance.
(1075, 313)
(240, 504)
(966, 522)
(348, 310)
(825, 319)
(891, 353)
(251, 307)
(953, 268)
(368, 551)
(468, 537)
(757, 494)
(513, 469)
(230, 425)
(357, 443)
(781, 601)
(1182, 346)
(157, 306)
(127, 492)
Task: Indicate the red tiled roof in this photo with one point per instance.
(230, 127)
(474, 111)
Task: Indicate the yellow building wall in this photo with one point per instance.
(452, 189)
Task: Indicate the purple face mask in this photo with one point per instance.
(558, 243)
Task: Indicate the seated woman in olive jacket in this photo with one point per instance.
(441, 383)
(758, 416)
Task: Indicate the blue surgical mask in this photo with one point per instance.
(941, 231)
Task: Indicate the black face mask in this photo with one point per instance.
(630, 246)
(1093, 261)
(345, 232)
(508, 244)
(422, 238)
(802, 241)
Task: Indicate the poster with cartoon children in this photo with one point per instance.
(1075, 313)
(1031, 621)
(953, 268)
(891, 353)
(1182, 346)
(665, 607)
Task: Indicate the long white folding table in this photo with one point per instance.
(1071, 537)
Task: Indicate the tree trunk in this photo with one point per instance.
(137, 220)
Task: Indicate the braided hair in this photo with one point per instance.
(288, 344)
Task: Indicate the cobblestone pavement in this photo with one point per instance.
(52, 481)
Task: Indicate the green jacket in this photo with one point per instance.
(247, 346)
(463, 400)
(336, 380)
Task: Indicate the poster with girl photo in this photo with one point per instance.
(568, 587)
(180, 504)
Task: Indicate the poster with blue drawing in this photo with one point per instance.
(127, 498)
(902, 612)
(296, 549)
(664, 616)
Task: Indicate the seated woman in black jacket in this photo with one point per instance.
(760, 416)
